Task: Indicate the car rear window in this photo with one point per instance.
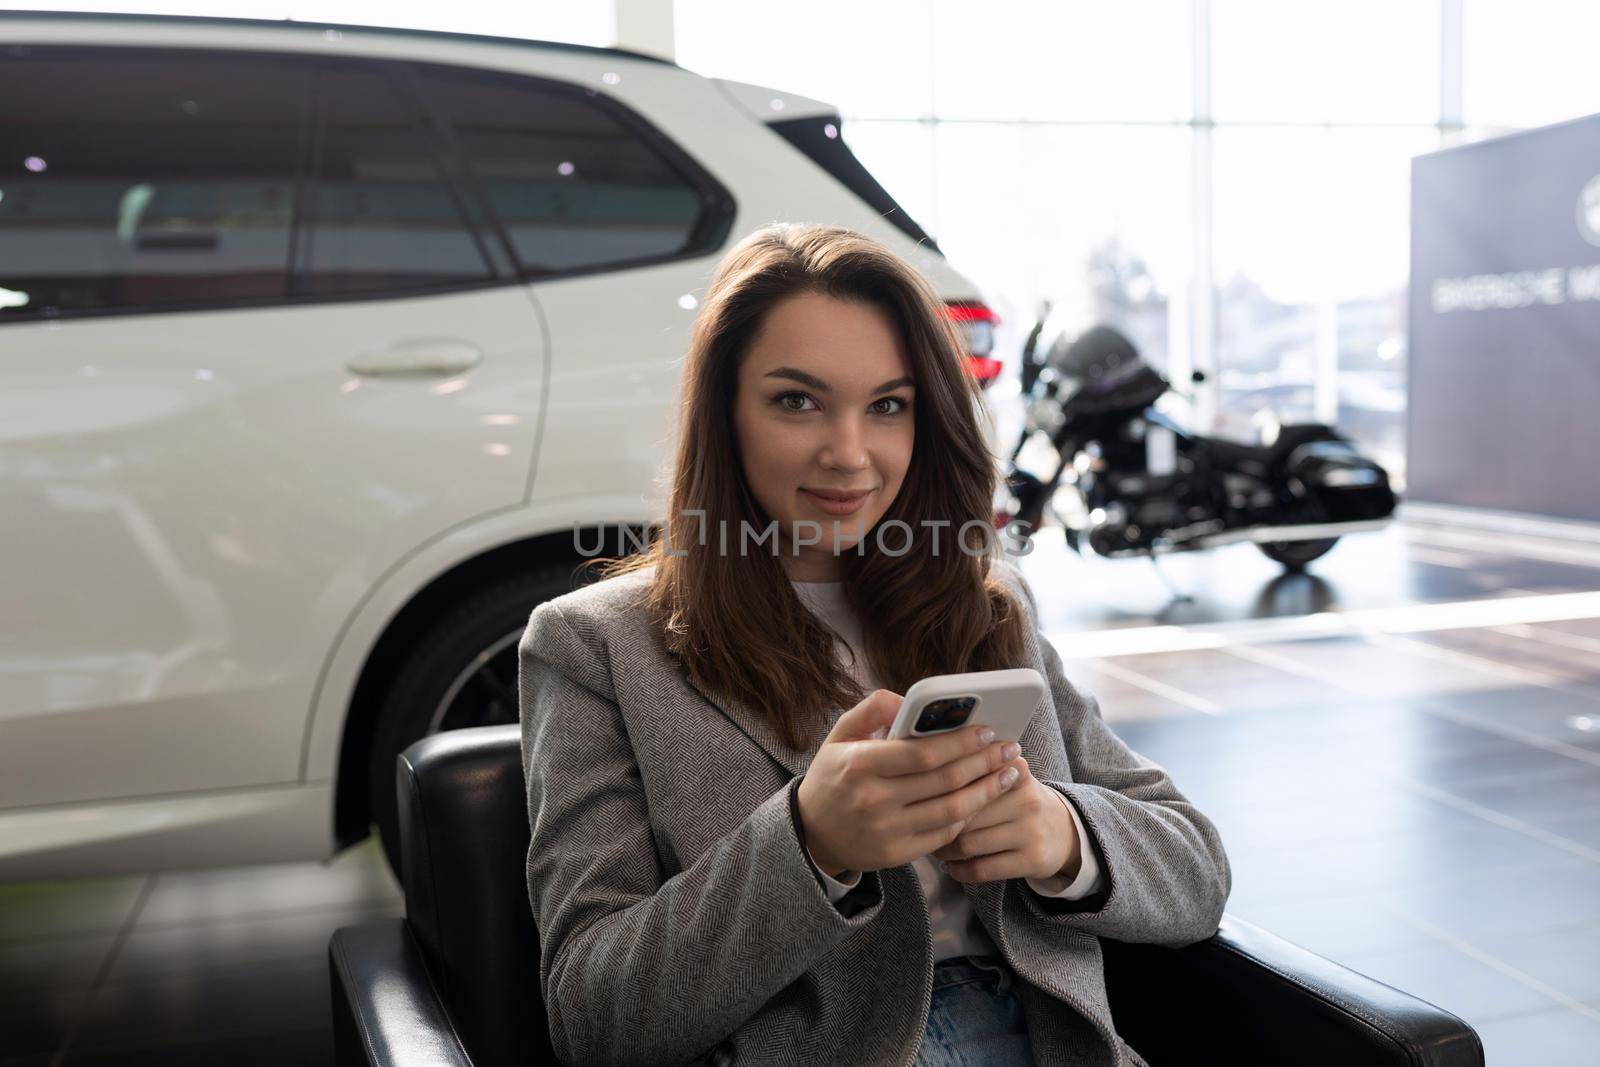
(821, 139)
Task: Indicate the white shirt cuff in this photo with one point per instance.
(1090, 878)
(836, 889)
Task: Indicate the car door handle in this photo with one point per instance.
(423, 357)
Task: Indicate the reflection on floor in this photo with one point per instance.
(1401, 748)
(1409, 783)
(193, 967)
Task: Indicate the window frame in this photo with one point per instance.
(717, 204)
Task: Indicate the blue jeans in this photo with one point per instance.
(975, 1018)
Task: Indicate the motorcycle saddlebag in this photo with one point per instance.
(1349, 487)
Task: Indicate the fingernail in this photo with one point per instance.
(985, 735)
(1008, 777)
(1013, 750)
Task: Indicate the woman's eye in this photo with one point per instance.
(795, 401)
(784, 398)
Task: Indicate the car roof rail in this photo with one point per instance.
(12, 14)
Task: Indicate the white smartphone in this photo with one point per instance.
(1003, 700)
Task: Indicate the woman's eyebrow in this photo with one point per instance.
(822, 387)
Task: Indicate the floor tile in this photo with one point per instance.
(1121, 701)
(1235, 685)
(302, 1048)
(1581, 827)
(1557, 1037)
(1353, 926)
(215, 947)
(43, 909)
(1589, 628)
(34, 1022)
(175, 1009)
(1450, 979)
(1357, 815)
(1539, 802)
(232, 893)
(1557, 662)
(1568, 959)
(1531, 900)
(1509, 762)
(40, 963)
(1429, 861)
(1544, 713)
(1377, 671)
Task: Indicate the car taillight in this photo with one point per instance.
(975, 321)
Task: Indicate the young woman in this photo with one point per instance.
(730, 862)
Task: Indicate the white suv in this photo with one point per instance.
(317, 344)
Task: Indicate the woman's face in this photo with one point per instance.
(823, 404)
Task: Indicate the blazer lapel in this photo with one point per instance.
(759, 727)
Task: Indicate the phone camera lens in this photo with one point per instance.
(946, 713)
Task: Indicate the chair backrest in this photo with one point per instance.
(464, 848)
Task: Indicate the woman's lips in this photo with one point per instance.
(837, 505)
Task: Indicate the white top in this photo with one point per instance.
(956, 929)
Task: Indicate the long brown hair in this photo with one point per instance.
(732, 619)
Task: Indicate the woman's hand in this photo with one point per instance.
(867, 802)
(1025, 832)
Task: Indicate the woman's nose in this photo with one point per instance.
(847, 448)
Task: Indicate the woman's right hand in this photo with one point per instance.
(868, 802)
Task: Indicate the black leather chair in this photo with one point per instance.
(457, 980)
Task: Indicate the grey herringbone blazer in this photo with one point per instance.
(680, 921)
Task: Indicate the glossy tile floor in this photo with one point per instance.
(1408, 783)
(225, 967)
(1402, 749)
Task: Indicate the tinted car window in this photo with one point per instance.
(380, 213)
(133, 180)
(574, 187)
(820, 139)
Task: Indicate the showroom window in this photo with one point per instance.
(146, 179)
(381, 214)
(1528, 64)
(1310, 255)
(575, 187)
(1225, 181)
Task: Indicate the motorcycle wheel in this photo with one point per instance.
(1294, 555)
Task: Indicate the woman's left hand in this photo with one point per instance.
(1025, 833)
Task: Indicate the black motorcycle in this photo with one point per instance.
(1127, 479)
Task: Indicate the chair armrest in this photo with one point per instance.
(386, 1010)
(1244, 991)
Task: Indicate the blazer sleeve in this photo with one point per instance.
(1166, 875)
(636, 968)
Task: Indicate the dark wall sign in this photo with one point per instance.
(1504, 357)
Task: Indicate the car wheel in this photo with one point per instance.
(462, 671)
(1294, 555)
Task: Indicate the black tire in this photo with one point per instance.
(1294, 555)
(462, 671)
